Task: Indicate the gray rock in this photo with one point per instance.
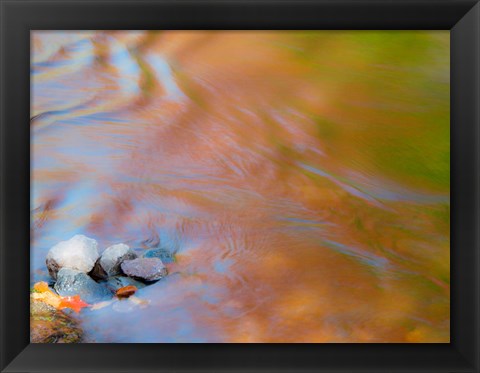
(117, 282)
(163, 254)
(146, 269)
(72, 282)
(113, 257)
(79, 253)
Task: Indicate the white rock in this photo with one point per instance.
(114, 256)
(79, 252)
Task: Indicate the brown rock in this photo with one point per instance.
(98, 273)
(126, 291)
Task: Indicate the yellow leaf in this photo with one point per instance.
(44, 294)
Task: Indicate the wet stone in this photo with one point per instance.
(72, 282)
(163, 254)
(145, 269)
(79, 253)
(113, 257)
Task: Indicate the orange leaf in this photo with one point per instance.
(75, 303)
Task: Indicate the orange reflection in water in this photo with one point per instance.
(302, 178)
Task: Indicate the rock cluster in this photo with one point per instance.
(79, 269)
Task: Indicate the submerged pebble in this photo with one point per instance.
(146, 269)
(124, 306)
(117, 282)
(78, 253)
(74, 282)
(163, 254)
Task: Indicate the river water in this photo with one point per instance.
(301, 178)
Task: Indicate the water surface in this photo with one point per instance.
(301, 179)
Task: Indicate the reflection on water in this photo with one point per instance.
(301, 178)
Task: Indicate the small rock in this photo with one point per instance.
(48, 325)
(113, 257)
(117, 282)
(163, 254)
(130, 304)
(79, 252)
(126, 291)
(124, 306)
(73, 282)
(146, 269)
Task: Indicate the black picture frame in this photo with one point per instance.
(18, 17)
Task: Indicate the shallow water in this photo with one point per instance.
(301, 178)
